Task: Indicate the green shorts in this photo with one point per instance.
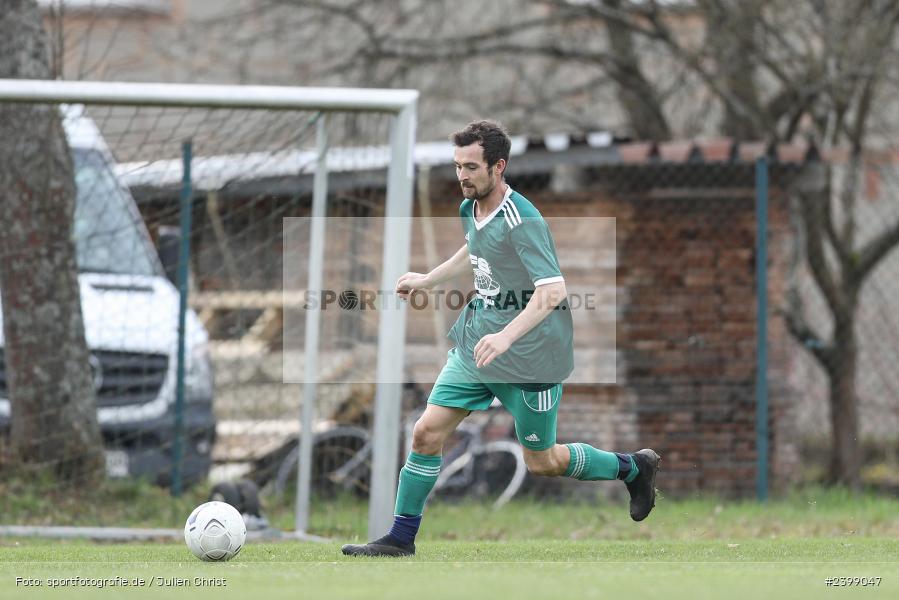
(460, 386)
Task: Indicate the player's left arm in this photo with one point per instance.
(545, 299)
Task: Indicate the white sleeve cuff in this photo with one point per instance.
(546, 280)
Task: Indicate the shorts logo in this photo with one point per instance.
(532, 438)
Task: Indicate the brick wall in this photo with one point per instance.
(685, 331)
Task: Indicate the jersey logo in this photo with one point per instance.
(487, 287)
(532, 438)
(466, 236)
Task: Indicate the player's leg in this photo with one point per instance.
(584, 462)
(535, 424)
(454, 396)
(419, 474)
(417, 479)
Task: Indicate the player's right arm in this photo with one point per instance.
(459, 264)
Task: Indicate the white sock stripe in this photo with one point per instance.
(422, 470)
(575, 456)
(423, 467)
(420, 474)
(582, 460)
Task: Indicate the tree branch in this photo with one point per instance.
(842, 252)
(637, 96)
(732, 101)
(811, 188)
(810, 339)
(452, 52)
(876, 250)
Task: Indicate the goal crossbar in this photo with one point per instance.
(207, 95)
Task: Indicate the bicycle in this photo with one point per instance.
(342, 458)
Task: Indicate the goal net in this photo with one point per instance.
(260, 207)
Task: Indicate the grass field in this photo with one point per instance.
(694, 549)
(517, 569)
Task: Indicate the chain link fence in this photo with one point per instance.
(688, 313)
(679, 331)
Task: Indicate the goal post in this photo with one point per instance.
(272, 157)
(392, 326)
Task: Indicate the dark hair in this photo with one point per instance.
(490, 135)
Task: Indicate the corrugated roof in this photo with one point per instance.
(592, 148)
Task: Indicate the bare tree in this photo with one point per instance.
(53, 414)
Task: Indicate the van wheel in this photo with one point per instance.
(249, 496)
(228, 493)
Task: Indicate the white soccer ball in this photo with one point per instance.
(215, 531)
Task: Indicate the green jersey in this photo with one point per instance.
(512, 252)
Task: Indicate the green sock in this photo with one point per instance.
(417, 478)
(591, 464)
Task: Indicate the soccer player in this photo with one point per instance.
(514, 342)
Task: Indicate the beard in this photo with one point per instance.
(475, 193)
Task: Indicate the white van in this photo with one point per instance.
(130, 314)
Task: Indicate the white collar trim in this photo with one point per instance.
(488, 218)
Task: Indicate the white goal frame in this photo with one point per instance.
(402, 105)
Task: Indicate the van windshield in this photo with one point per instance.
(109, 236)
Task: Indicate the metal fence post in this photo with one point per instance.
(183, 269)
(761, 282)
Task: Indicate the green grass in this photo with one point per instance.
(688, 548)
(752, 568)
(120, 503)
(813, 512)
(809, 512)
